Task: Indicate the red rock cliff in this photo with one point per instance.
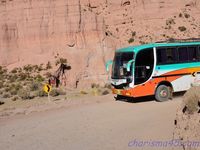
(87, 32)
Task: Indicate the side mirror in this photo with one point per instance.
(128, 66)
(108, 63)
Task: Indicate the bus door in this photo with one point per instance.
(144, 64)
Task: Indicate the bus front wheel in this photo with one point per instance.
(163, 93)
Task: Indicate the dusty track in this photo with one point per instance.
(108, 125)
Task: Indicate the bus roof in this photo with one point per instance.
(151, 45)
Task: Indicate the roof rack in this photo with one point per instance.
(172, 40)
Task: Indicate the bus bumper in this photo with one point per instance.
(122, 92)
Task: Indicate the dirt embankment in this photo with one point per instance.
(187, 123)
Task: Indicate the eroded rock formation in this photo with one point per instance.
(87, 32)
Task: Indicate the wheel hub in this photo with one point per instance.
(163, 93)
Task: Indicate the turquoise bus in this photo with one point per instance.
(158, 69)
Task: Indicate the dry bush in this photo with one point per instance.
(24, 94)
(108, 86)
(94, 85)
(14, 98)
(54, 92)
(83, 92)
(182, 28)
(6, 95)
(105, 92)
(41, 93)
(192, 100)
(34, 86)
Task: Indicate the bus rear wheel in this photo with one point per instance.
(163, 93)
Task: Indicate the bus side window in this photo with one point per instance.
(192, 54)
(198, 53)
(171, 55)
(161, 56)
(183, 54)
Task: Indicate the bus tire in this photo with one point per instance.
(163, 93)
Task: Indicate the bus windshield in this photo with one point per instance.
(120, 61)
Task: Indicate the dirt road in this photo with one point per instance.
(108, 125)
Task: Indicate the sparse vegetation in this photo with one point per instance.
(170, 21)
(61, 61)
(94, 85)
(48, 65)
(24, 94)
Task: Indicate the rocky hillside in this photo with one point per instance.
(87, 32)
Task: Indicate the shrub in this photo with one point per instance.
(6, 95)
(54, 92)
(39, 78)
(22, 76)
(170, 21)
(1, 92)
(34, 86)
(182, 28)
(1, 84)
(24, 94)
(28, 68)
(133, 33)
(61, 61)
(105, 92)
(187, 15)
(96, 91)
(41, 93)
(48, 65)
(94, 85)
(83, 92)
(13, 91)
(14, 98)
(108, 86)
(131, 40)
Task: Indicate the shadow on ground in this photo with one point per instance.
(143, 99)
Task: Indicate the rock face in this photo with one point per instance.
(187, 122)
(87, 32)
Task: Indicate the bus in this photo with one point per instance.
(158, 69)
